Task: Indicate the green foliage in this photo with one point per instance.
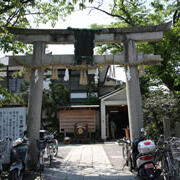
(53, 99)
(139, 13)
(158, 106)
(22, 13)
(168, 72)
(8, 98)
(24, 93)
(92, 100)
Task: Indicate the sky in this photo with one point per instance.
(79, 19)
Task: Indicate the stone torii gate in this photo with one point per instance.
(129, 58)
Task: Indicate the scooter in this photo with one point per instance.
(18, 158)
(143, 158)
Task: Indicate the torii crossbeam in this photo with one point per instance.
(129, 58)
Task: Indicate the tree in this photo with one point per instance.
(167, 73)
(160, 109)
(23, 13)
(15, 13)
(53, 99)
(6, 96)
(139, 13)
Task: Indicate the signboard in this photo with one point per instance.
(12, 122)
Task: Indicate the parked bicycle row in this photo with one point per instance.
(14, 155)
(150, 160)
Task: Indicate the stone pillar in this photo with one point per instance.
(103, 121)
(35, 102)
(133, 90)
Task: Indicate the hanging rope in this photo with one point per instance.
(86, 67)
(27, 74)
(54, 73)
(83, 78)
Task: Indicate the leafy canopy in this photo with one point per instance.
(24, 13)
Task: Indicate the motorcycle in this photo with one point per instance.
(143, 158)
(18, 158)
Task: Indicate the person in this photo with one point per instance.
(113, 129)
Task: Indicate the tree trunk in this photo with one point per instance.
(166, 127)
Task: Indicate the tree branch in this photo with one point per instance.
(9, 7)
(112, 15)
(176, 14)
(128, 19)
(11, 17)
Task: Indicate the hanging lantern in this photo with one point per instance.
(54, 73)
(83, 78)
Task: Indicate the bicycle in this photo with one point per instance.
(127, 153)
(41, 144)
(166, 160)
(52, 148)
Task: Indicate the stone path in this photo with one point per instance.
(86, 162)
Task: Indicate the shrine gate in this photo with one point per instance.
(129, 58)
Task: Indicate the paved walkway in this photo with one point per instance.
(86, 162)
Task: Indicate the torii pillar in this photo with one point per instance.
(133, 90)
(35, 99)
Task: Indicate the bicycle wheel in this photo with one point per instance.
(50, 160)
(123, 151)
(165, 165)
(130, 162)
(50, 154)
(55, 147)
(55, 151)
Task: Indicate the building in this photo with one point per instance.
(96, 116)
